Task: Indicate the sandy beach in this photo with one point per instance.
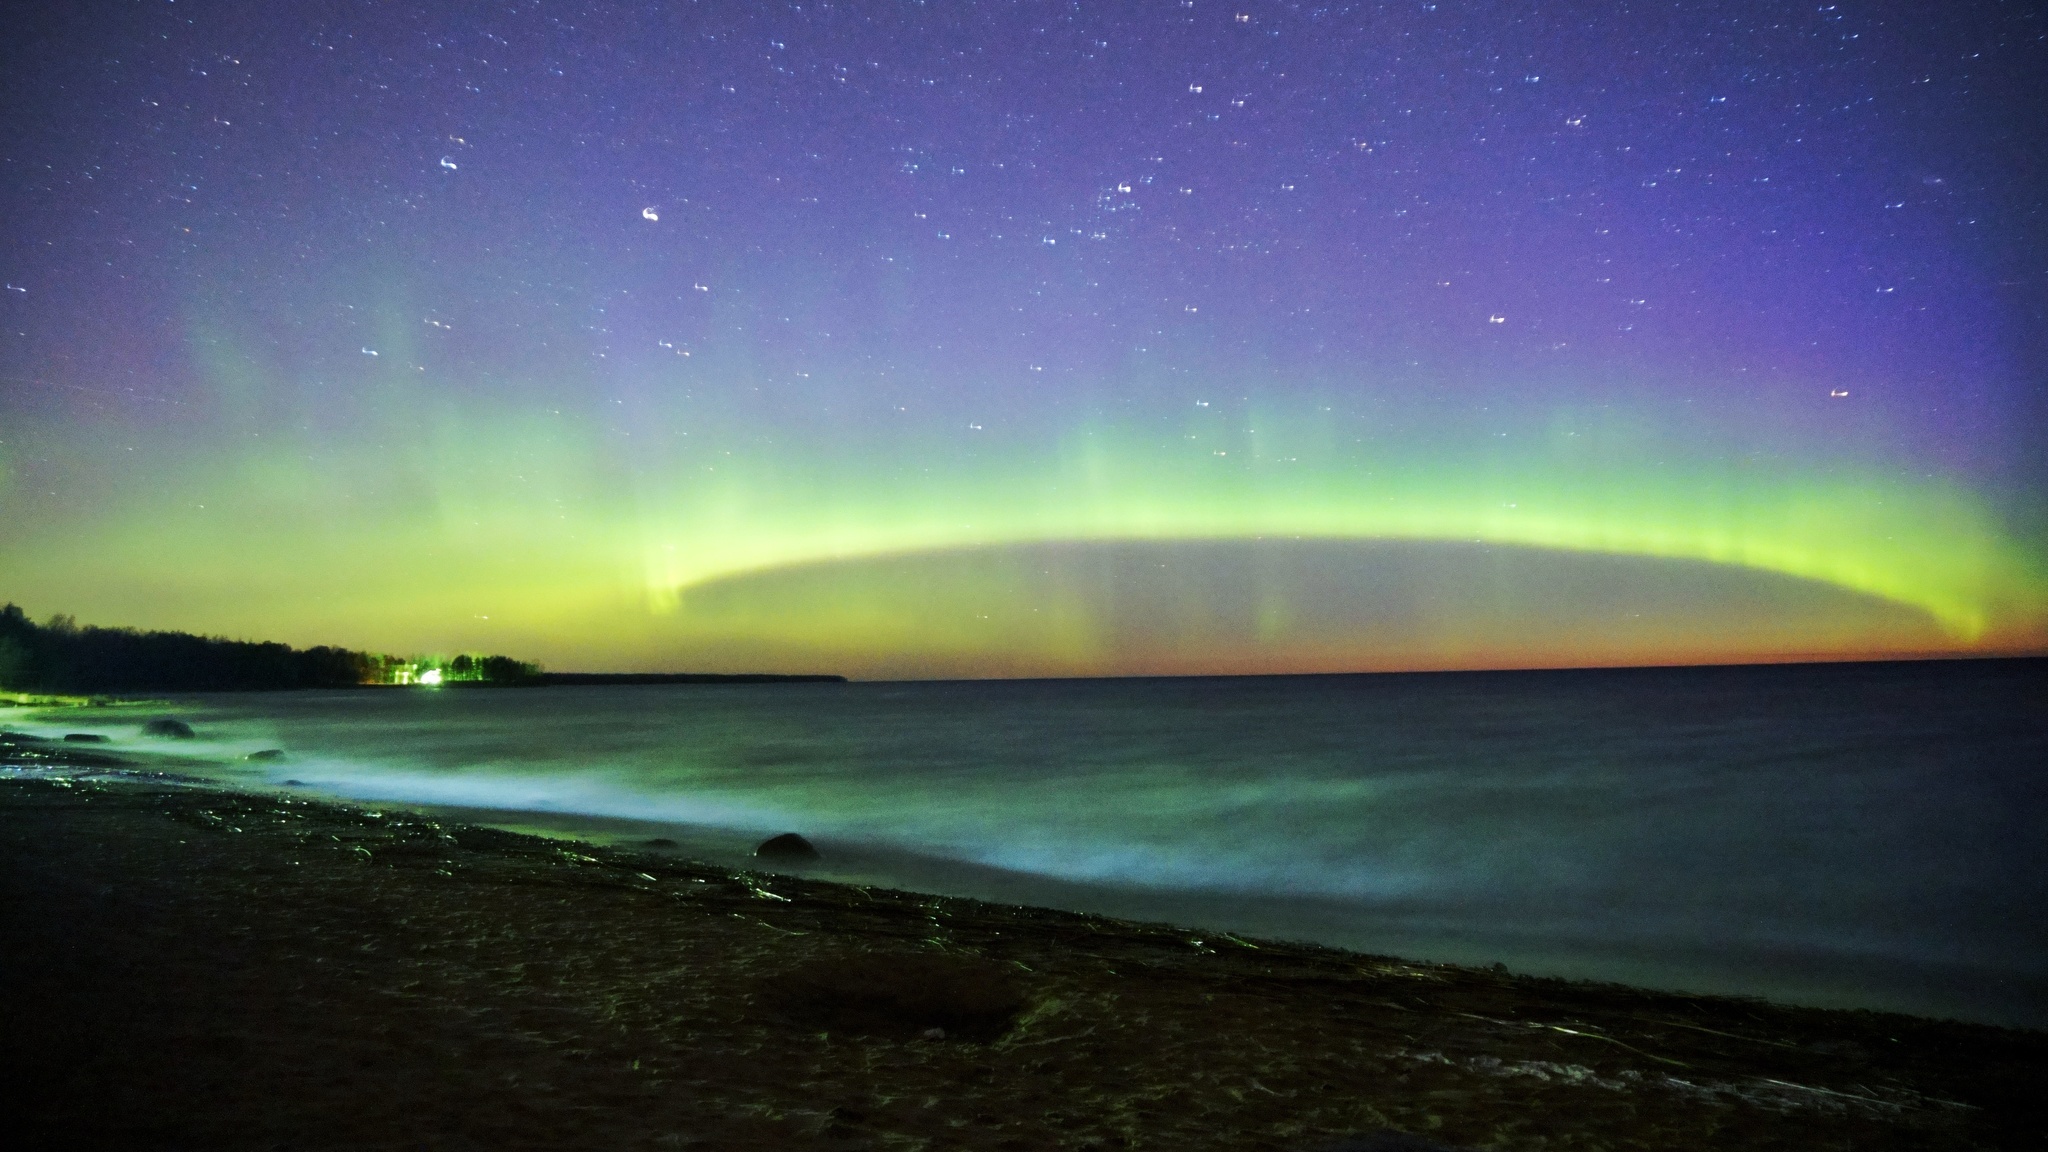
(191, 968)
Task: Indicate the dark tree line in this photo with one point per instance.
(60, 656)
(488, 670)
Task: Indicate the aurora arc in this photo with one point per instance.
(1931, 547)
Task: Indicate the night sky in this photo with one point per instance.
(1000, 339)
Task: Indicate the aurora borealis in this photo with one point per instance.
(1008, 339)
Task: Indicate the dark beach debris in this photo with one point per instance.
(1385, 1140)
(788, 848)
(1844, 1049)
(85, 738)
(658, 842)
(925, 995)
(267, 754)
(168, 728)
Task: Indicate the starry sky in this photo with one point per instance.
(934, 339)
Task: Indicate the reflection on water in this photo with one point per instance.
(1850, 835)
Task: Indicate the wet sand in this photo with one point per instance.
(188, 968)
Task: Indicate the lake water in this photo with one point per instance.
(1849, 835)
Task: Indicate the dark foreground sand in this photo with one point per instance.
(186, 968)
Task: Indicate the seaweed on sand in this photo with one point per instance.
(929, 995)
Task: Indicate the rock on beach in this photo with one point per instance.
(788, 848)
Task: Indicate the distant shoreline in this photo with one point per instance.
(50, 697)
(607, 679)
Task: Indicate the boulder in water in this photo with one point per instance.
(788, 848)
(167, 727)
(85, 738)
(267, 754)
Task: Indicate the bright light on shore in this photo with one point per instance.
(431, 677)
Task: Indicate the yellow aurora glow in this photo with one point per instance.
(559, 538)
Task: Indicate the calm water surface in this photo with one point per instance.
(1864, 835)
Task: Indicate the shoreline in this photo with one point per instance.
(2028, 658)
(237, 969)
(1824, 969)
(1743, 970)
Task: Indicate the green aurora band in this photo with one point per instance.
(578, 537)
